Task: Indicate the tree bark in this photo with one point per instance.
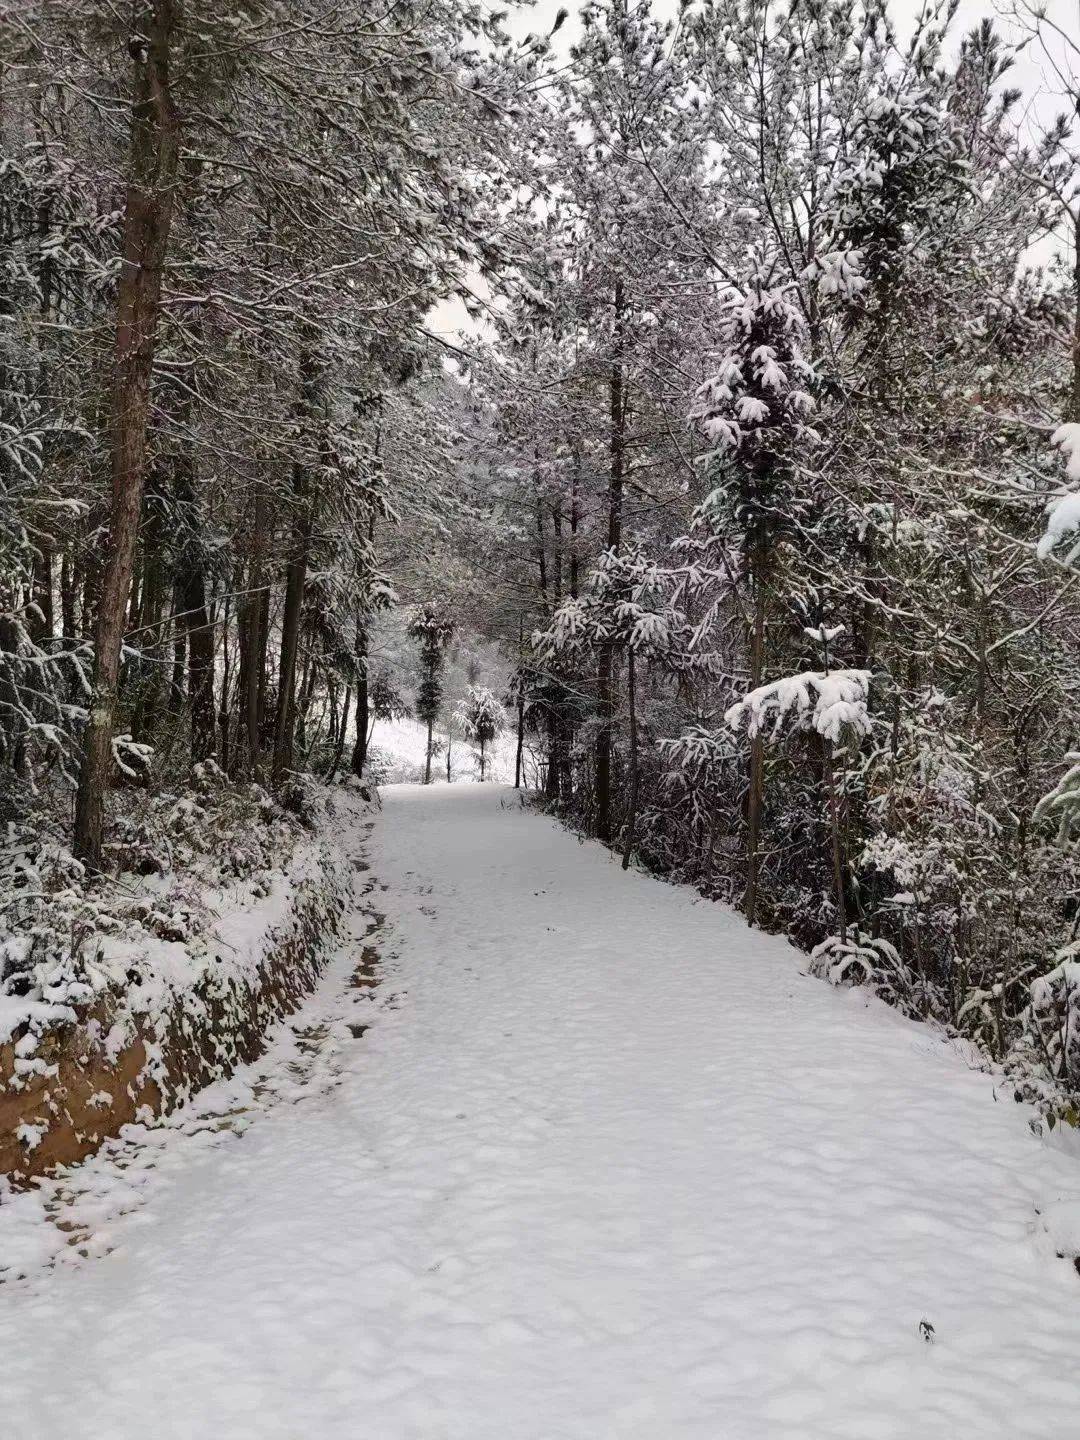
(631, 817)
(44, 623)
(551, 782)
(295, 581)
(67, 597)
(605, 667)
(339, 747)
(837, 848)
(756, 794)
(360, 748)
(224, 714)
(157, 589)
(519, 752)
(618, 423)
(306, 697)
(575, 521)
(299, 550)
(251, 650)
(179, 658)
(195, 613)
(603, 745)
(154, 152)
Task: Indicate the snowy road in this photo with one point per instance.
(607, 1168)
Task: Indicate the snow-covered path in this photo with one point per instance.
(608, 1168)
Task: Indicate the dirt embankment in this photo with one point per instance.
(111, 1066)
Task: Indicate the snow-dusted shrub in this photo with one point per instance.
(1050, 1038)
(173, 854)
(688, 831)
(860, 960)
(301, 796)
(833, 704)
(1049, 1043)
(1061, 805)
(1063, 512)
(387, 769)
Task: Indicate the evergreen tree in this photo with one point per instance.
(482, 719)
(432, 628)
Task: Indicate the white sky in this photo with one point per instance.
(1032, 73)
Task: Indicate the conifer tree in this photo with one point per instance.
(482, 719)
(755, 412)
(433, 630)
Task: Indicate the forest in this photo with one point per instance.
(703, 386)
(539, 719)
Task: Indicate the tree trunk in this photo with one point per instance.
(154, 151)
(263, 677)
(575, 520)
(541, 552)
(755, 798)
(631, 817)
(551, 783)
(191, 592)
(837, 848)
(603, 746)
(296, 572)
(332, 723)
(249, 627)
(225, 728)
(756, 794)
(566, 771)
(200, 662)
(556, 553)
(43, 624)
(339, 747)
(307, 695)
(427, 766)
(295, 584)
(179, 658)
(519, 752)
(359, 754)
(67, 597)
(156, 588)
(605, 667)
(618, 424)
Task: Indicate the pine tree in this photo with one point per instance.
(433, 629)
(755, 411)
(482, 719)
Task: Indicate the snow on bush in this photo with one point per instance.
(859, 960)
(202, 877)
(1063, 512)
(832, 704)
(1051, 1032)
(1062, 804)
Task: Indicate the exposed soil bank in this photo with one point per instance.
(113, 1065)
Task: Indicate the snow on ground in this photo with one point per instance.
(605, 1166)
(402, 744)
